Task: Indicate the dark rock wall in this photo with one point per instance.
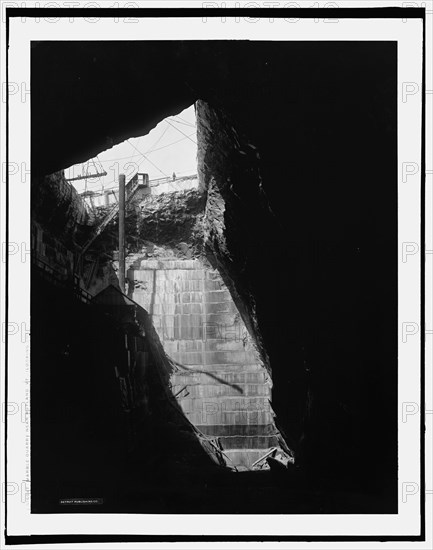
(60, 223)
(304, 258)
(101, 417)
(57, 205)
(229, 171)
(306, 231)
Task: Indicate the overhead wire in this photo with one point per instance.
(182, 122)
(153, 145)
(150, 148)
(122, 158)
(158, 140)
(139, 153)
(130, 158)
(115, 184)
(152, 163)
(163, 147)
(168, 122)
(168, 144)
(100, 163)
(97, 184)
(149, 151)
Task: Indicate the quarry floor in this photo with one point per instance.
(172, 480)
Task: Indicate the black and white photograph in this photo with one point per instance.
(214, 253)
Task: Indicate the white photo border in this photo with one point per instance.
(409, 36)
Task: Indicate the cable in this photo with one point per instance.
(153, 145)
(100, 163)
(149, 151)
(130, 158)
(163, 147)
(122, 158)
(181, 132)
(115, 186)
(158, 140)
(152, 163)
(98, 184)
(184, 123)
(169, 144)
(138, 154)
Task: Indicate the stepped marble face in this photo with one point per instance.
(218, 379)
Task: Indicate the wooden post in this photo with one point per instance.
(122, 232)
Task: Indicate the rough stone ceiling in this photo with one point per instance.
(86, 96)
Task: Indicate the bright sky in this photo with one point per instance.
(170, 147)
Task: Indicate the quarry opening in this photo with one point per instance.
(217, 377)
(230, 373)
(186, 346)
